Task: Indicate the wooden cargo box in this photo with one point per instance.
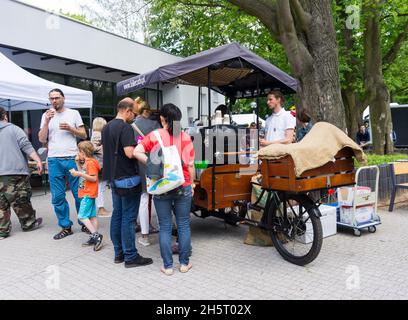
(280, 174)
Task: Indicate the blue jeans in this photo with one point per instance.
(122, 227)
(181, 201)
(58, 169)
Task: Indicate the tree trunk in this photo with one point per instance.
(305, 29)
(321, 42)
(352, 105)
(381, 124)
(377, 95)
(353, 112)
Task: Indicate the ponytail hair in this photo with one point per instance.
(171, 113)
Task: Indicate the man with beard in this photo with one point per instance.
(59, 128)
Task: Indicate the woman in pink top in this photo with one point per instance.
(180, 199)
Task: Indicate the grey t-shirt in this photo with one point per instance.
(145, 126)
(14, 146)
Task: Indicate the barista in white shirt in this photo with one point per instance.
(280, 125)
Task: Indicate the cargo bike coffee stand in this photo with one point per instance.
(290, 214)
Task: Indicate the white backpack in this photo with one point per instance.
(173, 176)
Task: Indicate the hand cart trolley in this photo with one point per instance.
(359, 210)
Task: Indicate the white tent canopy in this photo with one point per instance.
(21, 90)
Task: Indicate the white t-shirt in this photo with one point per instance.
(62, 143)
(277, 123)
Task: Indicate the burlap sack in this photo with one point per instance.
(257, 236)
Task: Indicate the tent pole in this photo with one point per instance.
(9, 110)
(158, 95)
(90, 122)
(199, 103)
(214, 146)
(257, 108)
(209, 97)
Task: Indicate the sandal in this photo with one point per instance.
(63, 233)
(168, 271)
(184, 268)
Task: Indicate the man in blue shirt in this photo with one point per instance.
(363, 137)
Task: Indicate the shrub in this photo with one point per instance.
(374, 159)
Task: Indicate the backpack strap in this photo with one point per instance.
(137, 129)
(115, 160)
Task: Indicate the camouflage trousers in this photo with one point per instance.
(15, 192)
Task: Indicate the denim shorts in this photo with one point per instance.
(87, 209)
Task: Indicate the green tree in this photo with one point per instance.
(122, 17)
(303, 29)
(185, 28)
(76, 16)
(306, 31)
(372, 41)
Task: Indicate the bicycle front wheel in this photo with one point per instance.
(296, 228)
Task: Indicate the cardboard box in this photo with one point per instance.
(360, 195)
(362, 215)
(328, 220)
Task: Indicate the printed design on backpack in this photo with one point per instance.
(173, 176)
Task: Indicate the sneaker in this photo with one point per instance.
(37, 223)
(185, 268)
(3, 237)
(85, 229)
(90, 242)
(98, 242)
(63, 233)
(144, 241)
(138, 262)
(168, 271)
(119, 259)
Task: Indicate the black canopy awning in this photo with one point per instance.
(234, 72)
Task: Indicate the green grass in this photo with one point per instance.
(374, 159)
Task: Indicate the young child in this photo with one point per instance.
(97, 125)
(88, 191)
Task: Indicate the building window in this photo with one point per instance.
(103, 93)
(57, 78)
(155, 100)
(79, 83)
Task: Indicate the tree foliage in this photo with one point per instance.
(76, 16)
(292, 34)
(272, 29)
(185, 28)
(122, 17)
(372, 48)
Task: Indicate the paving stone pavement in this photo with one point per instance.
(373, 266)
